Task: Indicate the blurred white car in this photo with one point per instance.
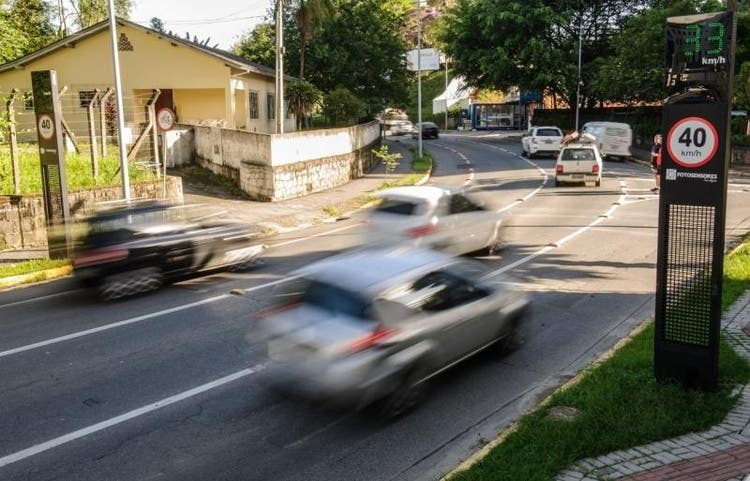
(579, 162)
(400, 127)
(542, 140)
(612, 138)
(443, 218)
(374, 326)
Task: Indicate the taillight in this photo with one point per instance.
(422, 231)
(595, 169)
(100, 256)
(559, 168)
(372, 339)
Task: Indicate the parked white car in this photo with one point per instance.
(542, 140)
(443, 218)
(579, 162)
(613, 139)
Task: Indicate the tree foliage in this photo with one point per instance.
(302, 97)
(342, 107)
(258, 45)
(90, 12)
(360, 48)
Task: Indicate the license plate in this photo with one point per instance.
(549, 141)
(578, 176)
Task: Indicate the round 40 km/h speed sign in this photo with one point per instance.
(46, 127)
(165, 119)
(692, 142)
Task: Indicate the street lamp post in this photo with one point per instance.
(120, 109)
(279, 99)
(578, 86)
(419, 76)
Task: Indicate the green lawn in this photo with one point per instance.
(27, 267)
(79, 174)
(620, 404)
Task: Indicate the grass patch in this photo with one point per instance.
(27, 267)
(332, 211)
(78, 170)
(621, 406)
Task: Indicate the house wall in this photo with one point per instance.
(202, 83)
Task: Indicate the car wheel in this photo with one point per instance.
(117, 286)
(513, 339)
(557, 183)
(409, 393)
(530, 155)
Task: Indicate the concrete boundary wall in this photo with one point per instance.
(275, 167)
(22, 221)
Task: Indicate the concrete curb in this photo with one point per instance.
(485, 450)
(34, 277)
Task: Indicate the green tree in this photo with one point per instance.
(302, 97)
(308, 17)
(90, 12)
(342, 107)
(33, 19)
(360, 48)
(13, 42)
(157, 24)
(532, 44)
(258, 45)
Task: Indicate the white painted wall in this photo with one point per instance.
(318, 144)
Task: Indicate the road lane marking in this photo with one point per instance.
(36, 299)
(134, 320)
(319, 234)
(67, 438)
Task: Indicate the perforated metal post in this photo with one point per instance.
(692, 204)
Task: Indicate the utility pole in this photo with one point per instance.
(446, 92)
(578, 86)
(279, 100)
(419, 75)
(120, 108)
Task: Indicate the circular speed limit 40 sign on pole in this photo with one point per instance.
(692, 142)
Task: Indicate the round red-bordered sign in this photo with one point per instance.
(692, 142)
(165, 119)
(46, 127)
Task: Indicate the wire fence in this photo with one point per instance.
(90, 133)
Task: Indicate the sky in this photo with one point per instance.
(222, 20)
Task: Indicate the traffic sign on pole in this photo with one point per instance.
(692, 142)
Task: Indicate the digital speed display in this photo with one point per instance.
(698, 49)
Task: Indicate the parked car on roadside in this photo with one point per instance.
(579, 162)
(443, 218)
(429, 131)
(136, 249)
(613, 139)
(542, 140)
(375, 326)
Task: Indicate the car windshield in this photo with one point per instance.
(335, 299)
(400, 207)
(548, 133)
(616, 132)
(578, 154)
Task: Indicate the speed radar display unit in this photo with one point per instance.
(692, 203)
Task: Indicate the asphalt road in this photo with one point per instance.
(171, 385)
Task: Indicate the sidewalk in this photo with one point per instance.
(300, 212)
(721, 453)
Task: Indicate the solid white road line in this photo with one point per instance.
(36, 299)
(134, 320)
(319, 234)
(64, 439)
(114, 325)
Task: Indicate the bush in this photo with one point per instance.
(342, 107)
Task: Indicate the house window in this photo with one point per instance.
(28, 101)
(270, 106)
(253, 105)
(85, 97)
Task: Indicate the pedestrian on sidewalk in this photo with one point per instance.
(656, 161)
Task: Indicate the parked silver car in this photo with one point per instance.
(374, 326)
(443, 218)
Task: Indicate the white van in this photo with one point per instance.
(613, 139)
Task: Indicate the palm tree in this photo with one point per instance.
(309, 15)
